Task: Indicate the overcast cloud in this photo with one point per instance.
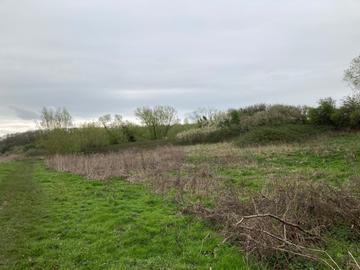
(102, 56)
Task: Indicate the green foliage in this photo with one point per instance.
(88, 138)
(272, 116)
(178, 128)
(346, 116)
(278, 134)
(234, 117)
(73, 140)
(18, 139)
(253, 109)
(263, 115)
(234, 122)
(324, 114)
(161, 123)
(59, 141)
(350, 112)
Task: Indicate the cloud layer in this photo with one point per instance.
(110, 56)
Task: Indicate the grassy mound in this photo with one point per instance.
(278, 134)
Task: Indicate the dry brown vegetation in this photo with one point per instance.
(287, 219)
(162, 168)
(11, 157)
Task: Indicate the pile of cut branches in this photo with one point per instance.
(287, 219)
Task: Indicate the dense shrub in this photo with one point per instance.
(178, 128)
(18, 139)
(263, 115)
(279, 134)
(234, 122)
(253, 109)
(346, 116)
(74, 140)
(90, 137)
(274, 115)
(324, 113)
(203, 135)
(233, 118)
(60, 141)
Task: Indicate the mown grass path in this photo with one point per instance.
(20, 201)
(52, 220)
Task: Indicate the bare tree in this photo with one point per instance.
(105, 120)
(352, 74)
(47, 118)
(63, 118)
(206, 117)
(117, 129)
(118, 120)
(55, 119)
(158, 119)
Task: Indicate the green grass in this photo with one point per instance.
(332, 157)
(278, 134)
(19, 210)
(247, 178)
(52, 220)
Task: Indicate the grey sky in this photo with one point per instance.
(102, 56)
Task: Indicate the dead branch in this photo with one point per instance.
(278, 219)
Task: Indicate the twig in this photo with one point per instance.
(353, 258)
(296, 246)
(315, 258)
(278, 219)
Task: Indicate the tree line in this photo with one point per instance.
(59, 134)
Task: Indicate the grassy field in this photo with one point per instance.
(53, 220)
(58, 220)
(333, 158)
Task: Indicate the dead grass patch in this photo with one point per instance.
(162, 168)
(11, 157)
